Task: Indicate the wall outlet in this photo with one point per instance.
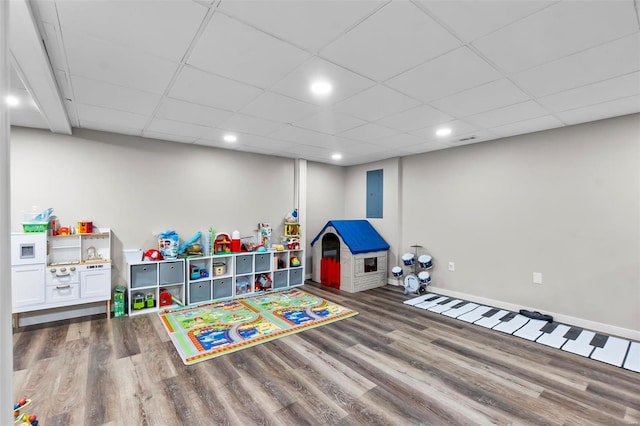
(452, 266)
(537, 278)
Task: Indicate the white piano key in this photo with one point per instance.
(531, 330)
(512, 325)
(581, 345)
(612, 352)
(493, 320)
(456, 312)
(556, 338)
(427, 305)
(475, 315)
(633, 358)
(418, 299)
(441, 308)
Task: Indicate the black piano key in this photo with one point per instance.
(549, 327)
(459, 305)
(508, 317)
(573, 333)
(491, 312)
(599, 340)
(432, 298)
(445, 301)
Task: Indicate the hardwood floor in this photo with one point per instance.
(389, 365)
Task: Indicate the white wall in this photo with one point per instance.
(139, 187)
(355, 202)
(325, 200)
(564, 202)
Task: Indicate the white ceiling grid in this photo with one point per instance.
(192, 71)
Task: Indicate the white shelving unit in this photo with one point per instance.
(146, 280)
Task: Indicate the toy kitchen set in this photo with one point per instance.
(54, 267)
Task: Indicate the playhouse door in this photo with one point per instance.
(330, 262)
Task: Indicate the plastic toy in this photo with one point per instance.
(168, 244)
(24, 419)
(165, 297)
(150, 300)
(138, 301)
(294, 261)
(152, 254)
(190, 242)
(263, 282)
(197, 272)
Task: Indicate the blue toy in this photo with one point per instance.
(191, 241)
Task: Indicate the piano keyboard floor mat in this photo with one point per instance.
(601, 347)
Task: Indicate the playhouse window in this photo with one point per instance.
(370, 264)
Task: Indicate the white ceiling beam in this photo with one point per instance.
(31, 62)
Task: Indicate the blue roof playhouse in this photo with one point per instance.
(350, 255)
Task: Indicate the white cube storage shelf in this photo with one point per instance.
(204, 279)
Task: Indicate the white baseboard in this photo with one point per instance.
(566, 319)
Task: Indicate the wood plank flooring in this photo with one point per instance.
(389, 365)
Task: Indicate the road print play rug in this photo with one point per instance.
(206, 331)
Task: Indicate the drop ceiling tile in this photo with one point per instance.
(177, 128)
(473, 19)
(310, 23)
(164, 28)
(94, 114)
(110, 128)
(232, 49)
(496, 94)
(91, 92)
(174, 109)
(603, 91)
(345, 83)
(618, 107)
(329, 121)
(472, 137)
(415, 118)
(207, 89)
(264, 144)
(512, 113)
(398, 141)
(168, 137)
(376, 103)
(445, 75)
(605, 61)
(247, 124)
(426, 147)
(299, 135)
(368, 132)
(275, 107)
(118, 65)
(562, 29)
(390, 41)
(458, 127)
(527, 126)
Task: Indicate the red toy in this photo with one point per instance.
(165, 297)
(152, 254)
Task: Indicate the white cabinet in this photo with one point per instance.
(27, 286)
(59, 271)
(155, 285)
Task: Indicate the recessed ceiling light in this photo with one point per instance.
(336, 156)
(445, 131)
(12, 101)
(321, 87)
(230, 138)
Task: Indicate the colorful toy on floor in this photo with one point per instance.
(24, 419)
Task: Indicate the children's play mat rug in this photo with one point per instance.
(213, 329)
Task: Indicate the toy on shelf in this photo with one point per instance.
(168, 244)
(191, 246)
(197, 272)
(294, 261)
(222, 243)
(152, 255)
(236, 246)
(263, 282)
(150, 300)
(415, 282)
(24, 419)
(264, 235)
(165, 297)
(137, 301)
